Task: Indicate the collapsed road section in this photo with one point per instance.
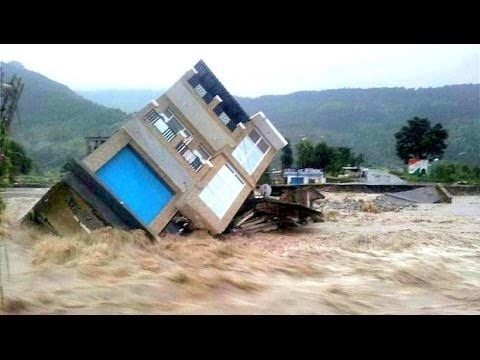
(193, 151)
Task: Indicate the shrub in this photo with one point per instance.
(451, 172)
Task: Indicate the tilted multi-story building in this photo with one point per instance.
(192, 151)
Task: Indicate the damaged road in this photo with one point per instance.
(422, 195)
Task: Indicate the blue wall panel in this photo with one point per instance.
(135, 183)
(296, 180)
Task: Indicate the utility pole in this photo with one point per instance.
(10, 92)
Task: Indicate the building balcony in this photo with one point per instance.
(192, 157)
(219, 100)
(154, 118)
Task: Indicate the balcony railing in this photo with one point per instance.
(218, 110)
(207, 86)
(192, 159)
(154, 118)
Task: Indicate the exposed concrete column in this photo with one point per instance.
(213, 104)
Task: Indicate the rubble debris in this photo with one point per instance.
(389, 201)
(444, 194)
(304, 195)
(178, 225)
(354, 172)
(267, 214)
(379, 204)
(391, 204)
(193, 151)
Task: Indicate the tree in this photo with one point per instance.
(13, 160)
(305, 153)
(336, 163)
(346, 156)
(265, 178)
(323, 155)
(359, 160)
(341, 156)
(287, 156)
(420, 140)
(19, 160)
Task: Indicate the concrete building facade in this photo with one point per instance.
(192, 151)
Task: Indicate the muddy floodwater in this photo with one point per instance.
(416, 260)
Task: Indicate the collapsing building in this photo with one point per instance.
(193, 151)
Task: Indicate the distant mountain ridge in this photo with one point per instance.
(55, 119)
(366, 119)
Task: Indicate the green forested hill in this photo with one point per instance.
(366, 119)
(55, 119)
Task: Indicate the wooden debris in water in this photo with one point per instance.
(267, 214)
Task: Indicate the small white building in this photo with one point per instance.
(418, 166)
(304, 176)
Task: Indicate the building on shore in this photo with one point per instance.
(303, 176)
(192, 151)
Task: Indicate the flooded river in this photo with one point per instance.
(419, 260)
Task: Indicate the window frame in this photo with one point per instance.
(219, 194)
(247, 154)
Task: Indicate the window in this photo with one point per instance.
(222, 190)
(251, 150)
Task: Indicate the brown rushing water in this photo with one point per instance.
(424, 260)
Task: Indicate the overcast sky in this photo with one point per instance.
(252, 70)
